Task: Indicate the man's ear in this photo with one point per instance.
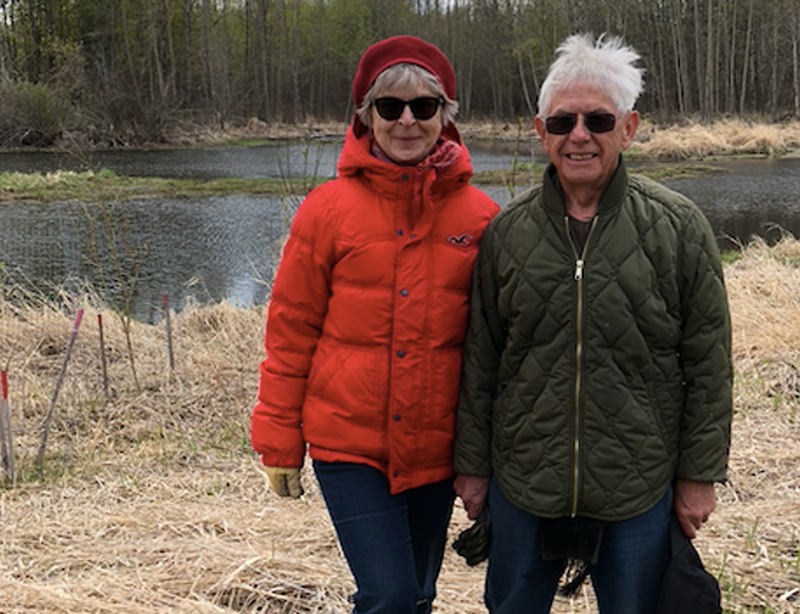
(631, 123)
(538, 123)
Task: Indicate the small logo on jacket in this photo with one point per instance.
(462, 240)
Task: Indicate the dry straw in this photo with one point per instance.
(153, 502)
(722, 138)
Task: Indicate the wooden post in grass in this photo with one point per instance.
(169, 333)
(48, 418)
(103, 354)
(6, 438)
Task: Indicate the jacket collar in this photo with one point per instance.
(357, 159)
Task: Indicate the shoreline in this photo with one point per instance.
(690, 138)
(679, 150)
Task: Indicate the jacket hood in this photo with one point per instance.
(357, 158)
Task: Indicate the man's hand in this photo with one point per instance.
(694, 502)
(285, 481)
(472, 490)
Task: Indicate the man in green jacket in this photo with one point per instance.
(596, 390)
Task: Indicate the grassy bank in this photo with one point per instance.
(690, 139)
(150, 501)
(106, 186)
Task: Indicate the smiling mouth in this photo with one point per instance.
(579, 157)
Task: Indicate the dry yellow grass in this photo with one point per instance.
(721, 138)
(151, 501)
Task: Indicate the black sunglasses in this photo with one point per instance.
(597, 123)
(390, 108)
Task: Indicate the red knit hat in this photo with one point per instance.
(400, 50)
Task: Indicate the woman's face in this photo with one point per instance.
(407, 140)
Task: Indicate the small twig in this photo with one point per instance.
(103, 354)
(3, 442)
(169, 333)
(59, 381)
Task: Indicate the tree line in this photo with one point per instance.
(129, 69)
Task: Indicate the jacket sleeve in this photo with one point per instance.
(705, 353)
(483, 346)
(295, 318)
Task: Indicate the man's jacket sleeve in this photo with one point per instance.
(705, 354)
(482, 350)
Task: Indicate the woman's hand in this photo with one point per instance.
(285, 481)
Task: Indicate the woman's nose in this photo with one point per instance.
(407, 118)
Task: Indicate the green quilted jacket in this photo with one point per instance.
(592, 380)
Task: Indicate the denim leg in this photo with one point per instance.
(633, 556)
(394, 544)
(518, 580)
(429, 510)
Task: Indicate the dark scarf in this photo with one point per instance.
(576, 541)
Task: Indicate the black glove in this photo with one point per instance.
(473, 543)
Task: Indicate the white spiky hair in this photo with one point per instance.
(607, 64)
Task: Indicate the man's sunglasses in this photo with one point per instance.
(390, 108)
(598, 123)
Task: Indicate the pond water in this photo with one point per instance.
(226, 248)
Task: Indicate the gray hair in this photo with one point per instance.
(402, 75)
(607, 64)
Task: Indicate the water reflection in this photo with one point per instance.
(228, 247)
(281, 160)
(207, 250)
(752, 198)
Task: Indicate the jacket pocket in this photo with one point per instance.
(322, 369)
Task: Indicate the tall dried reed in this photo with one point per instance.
(723, 138)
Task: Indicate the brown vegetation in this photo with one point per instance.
(151, 501)
(689, 140)
(722, 138)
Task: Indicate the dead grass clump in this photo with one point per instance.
(152, 502)
(722, 138)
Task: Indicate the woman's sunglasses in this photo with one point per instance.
(390, 108)
(597, 123)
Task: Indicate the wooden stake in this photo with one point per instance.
(169, 333)
(6, 437)
(59, 381)
(103, 354)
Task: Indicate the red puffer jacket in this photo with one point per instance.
(368, 315)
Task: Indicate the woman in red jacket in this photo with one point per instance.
(365, 327)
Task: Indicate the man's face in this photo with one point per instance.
(585, 159)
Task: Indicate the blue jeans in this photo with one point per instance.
(394, 544)
(626, 579)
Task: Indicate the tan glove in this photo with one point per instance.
(285, 481)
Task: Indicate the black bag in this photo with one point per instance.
(687, 586)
